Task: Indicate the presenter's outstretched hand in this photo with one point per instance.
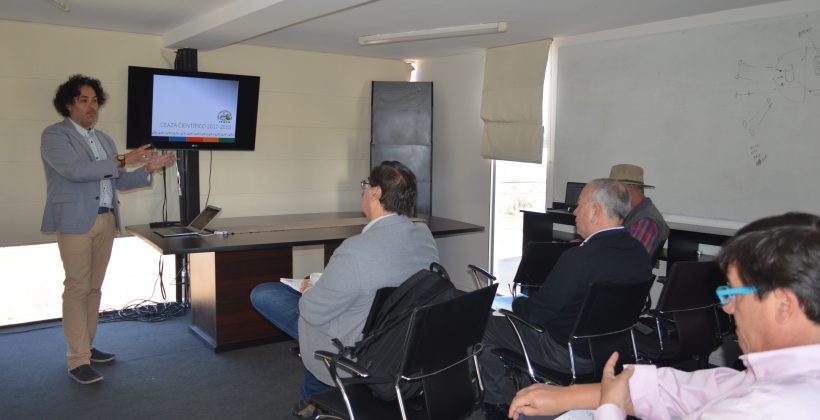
(160, 161)
(140, 155)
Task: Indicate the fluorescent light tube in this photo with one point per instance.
(479, 29)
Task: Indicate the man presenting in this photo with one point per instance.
(644, 222)
(608, 254)
(389, 250)
(83, 174)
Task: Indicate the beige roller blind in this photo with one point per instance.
(511, 102)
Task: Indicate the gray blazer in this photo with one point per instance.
(73, 179)
(393, 249)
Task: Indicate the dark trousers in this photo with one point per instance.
(498, 386)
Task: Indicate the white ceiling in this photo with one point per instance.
(335, 25)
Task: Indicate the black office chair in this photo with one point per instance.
(604, 324)
(481, 276)
(441, 340)
(688, 322)
(536, 264)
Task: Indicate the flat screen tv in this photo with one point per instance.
(173, 109)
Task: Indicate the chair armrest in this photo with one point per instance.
(513, 320)
(476, 271)
(512, 316)
(342, 362)
(476, 350)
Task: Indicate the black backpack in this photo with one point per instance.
(380, 349)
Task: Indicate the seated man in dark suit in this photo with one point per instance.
(607, 254)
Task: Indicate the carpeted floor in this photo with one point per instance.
(162, 371)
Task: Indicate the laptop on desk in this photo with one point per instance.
(573, 192)
(196, 227)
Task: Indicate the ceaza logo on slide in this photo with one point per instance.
(224, 116)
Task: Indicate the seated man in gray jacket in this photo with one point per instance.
(390, 249)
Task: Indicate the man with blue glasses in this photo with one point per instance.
(726, 293)
(774, 295)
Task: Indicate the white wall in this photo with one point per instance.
(461, 178)
(312, 144)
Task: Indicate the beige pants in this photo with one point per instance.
(85, 259)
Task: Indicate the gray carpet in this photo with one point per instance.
(162, 371)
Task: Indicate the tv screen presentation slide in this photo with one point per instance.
(194, 109)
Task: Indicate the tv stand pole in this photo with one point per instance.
(188, 178)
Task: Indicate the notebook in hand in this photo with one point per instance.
(196, 227)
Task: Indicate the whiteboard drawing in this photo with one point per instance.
(795, 78)
(758, 156)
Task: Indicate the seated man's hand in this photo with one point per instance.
(615, 388)
(537, 400)
(305, 284)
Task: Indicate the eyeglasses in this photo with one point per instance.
(726, 294)
(365, 183)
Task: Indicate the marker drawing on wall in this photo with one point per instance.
(757, 155)
(795, 78)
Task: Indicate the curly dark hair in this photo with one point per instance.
(398, 185)
(71, 89)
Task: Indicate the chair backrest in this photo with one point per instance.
(690, 285)
(607, 316)
(538, 260)
(656, 253)
(438, 338)
(689, 299)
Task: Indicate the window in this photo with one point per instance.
(517, 186)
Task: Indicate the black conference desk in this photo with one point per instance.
(683, 243)
(224, 269)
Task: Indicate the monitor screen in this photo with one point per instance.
(573, 193)
(174, 109)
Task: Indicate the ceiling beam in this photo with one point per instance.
(245, 19)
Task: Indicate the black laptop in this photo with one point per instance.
(197, 226)
(572, 194)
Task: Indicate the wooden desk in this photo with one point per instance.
(682, 245)
(224, 269)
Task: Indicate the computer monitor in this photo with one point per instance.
(572, 194)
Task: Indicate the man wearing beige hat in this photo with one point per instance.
(644, 222)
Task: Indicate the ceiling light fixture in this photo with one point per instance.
(479, 29)
(61, 4)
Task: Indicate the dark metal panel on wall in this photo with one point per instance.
(188, 179)
(188, 160)
(402, 129)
